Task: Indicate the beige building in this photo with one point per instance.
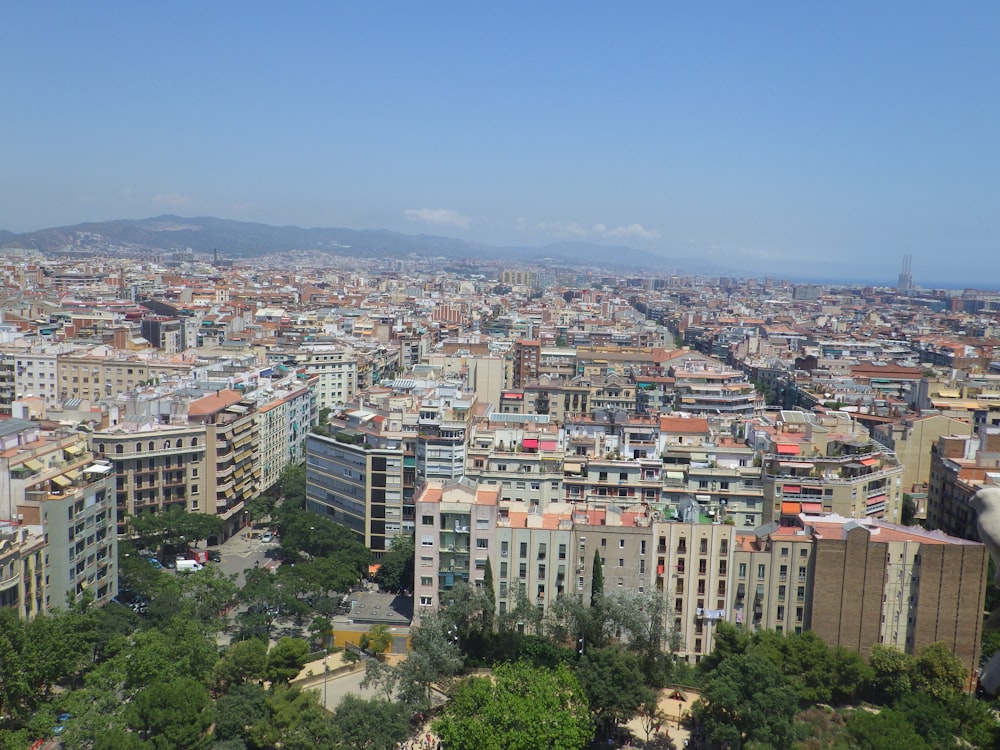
(912, 439)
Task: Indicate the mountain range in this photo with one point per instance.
(241, 239)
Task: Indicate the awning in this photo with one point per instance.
(791, 489)
(62, 481)
(675, 475)
(787, 449)
(869, 461)
(547, 445)
(33, 464)
(796, 465)
(73, 474)
(876, 500)
(97, 469)
(73, 450)
(573, 467)
(791, 509)
(529, 443)
(812, 507)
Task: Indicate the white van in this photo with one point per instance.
(187, 566)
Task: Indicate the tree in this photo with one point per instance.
(395, 572)
(490, 594)
(433, 656)
(891, 673)
(521, 707)
(292, 484)
(242, 661)
(286, 659)
(174, 527)
(173, 715)
(378, 640)
(260, 507)
(597, 580)
(938, 672)
(886, 730)
(369, 724)
(382, 677)
(608, 677)
(239, 710)
(747, 700)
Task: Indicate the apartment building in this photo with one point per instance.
(22, 568)
(960, 466)
(912, 439)
(820, 464)
(535, 557)
(456, 536)
(54, 483)
(357, 480)
(335, 368)
(231, 440)
(156, 467)
(898, 585)
(284, 416)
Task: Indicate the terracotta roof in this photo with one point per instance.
(214, 403)
(685, 425)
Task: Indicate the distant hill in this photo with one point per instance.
(235, 239)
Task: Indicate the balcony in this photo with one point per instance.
(11, 582)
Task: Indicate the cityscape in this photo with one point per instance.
(733, 456)
(461, 376)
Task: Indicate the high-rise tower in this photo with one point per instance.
(905, 283)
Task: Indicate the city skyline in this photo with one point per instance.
(812, 143)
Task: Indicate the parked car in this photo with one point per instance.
(188, 566)
(267, 536)
(214, 555)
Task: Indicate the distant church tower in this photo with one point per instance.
(905, 283)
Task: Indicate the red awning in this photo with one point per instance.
(869, 461)
(791, 489)
(791, 509)
(547, 445)
(529, 443)
(659, 570)
(788, 449)
(812, 507)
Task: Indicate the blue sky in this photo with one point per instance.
(807, 139)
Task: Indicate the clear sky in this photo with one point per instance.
(791, 138)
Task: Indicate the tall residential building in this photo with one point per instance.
(22, 568)
(54, 483)
(355, 479)
(157, 467)
(336, 369)
(456, 535)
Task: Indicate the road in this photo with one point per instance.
(239, 554)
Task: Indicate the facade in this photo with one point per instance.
(22, 570)
(335, 368)
(231, 440)
(912, 440)
(156, 467)
(355, 480)
(456, 535)
(56, 485)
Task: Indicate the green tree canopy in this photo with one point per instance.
(611, 679)
(369, 724)
(747, 700)
(286, 659)
(885, 730)
(597, 579)
(521, 707)
(173, 715)
(395, 571)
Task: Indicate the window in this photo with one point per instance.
(621, 562)
(642, 547)
(742, 573)
(522, 570)
(781, 612)
(426, 601)
(482, 543)
(604, 542)
(621, 544)
(802, 573)
(426, 561)
(426, 581)
(524, 549)
(503, 549)
(541, 551)
(427, 520)
(760, 571)
(426, 540)
(562, 551)
(703, 547)
(503, 571)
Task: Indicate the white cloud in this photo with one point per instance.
(439, 217)
(634, 231)
(562, 228)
